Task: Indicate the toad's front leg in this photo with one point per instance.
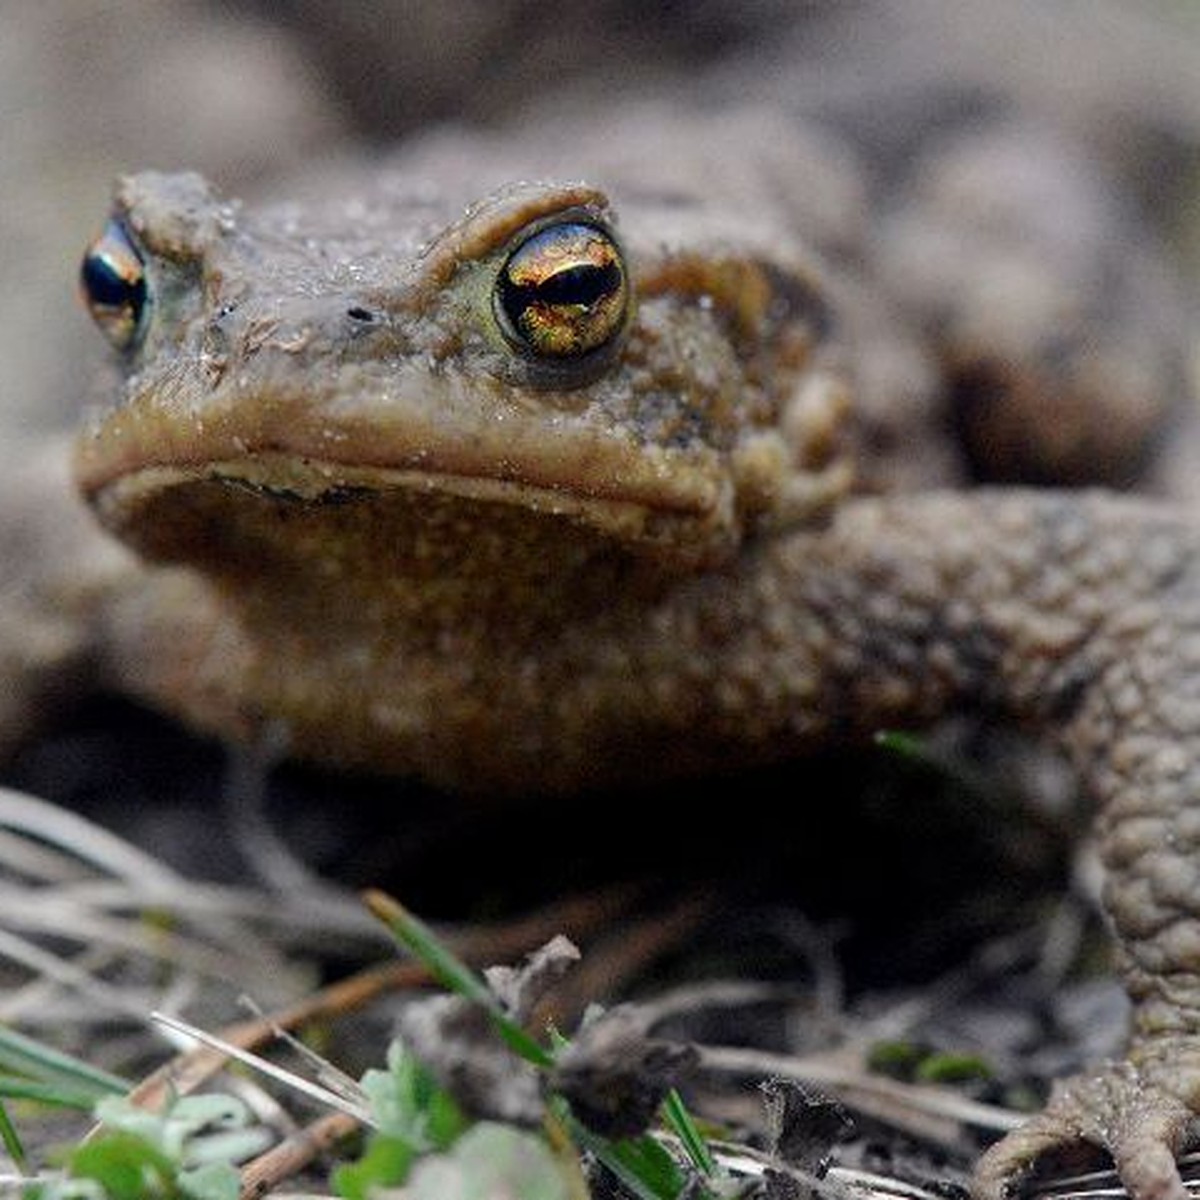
(1079, 615)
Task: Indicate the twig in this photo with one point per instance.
(293, 1154)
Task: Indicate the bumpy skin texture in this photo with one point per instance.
(1080, 615)
(369, 521)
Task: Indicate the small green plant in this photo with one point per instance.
(185, 1152)
(32, 1071)
(419, 1137)
(413, 1117)
(912, 1061)
(642, 1164)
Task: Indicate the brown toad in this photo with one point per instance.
(527, 495)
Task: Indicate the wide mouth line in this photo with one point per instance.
(307, 480)
(333, 482)
(445, 436)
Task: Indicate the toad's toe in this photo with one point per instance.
(1141, 1122)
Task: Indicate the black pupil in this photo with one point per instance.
(107, 287)
(583, 284)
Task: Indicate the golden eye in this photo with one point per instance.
(563, 292)
(113, 279)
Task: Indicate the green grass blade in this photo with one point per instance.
(451, 972)
(23, 1056)
(12, 1142)
(641, 1164)
(17, 1087)
(680, 1122)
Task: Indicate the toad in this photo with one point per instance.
(542, 486)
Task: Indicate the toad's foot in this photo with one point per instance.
(1140, 1111)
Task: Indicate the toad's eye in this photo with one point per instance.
(563, 292)
(113, 277)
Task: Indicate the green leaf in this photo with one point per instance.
(896, 1058)
(213, 1181)
(185, 1152)
(125, 1165)
(946, 1067)
(490, 1160)
(386, 1163)
(408, 1102)
(175, 1131)
(445, 1121)
(414, 1116)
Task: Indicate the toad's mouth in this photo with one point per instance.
(436, 442)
